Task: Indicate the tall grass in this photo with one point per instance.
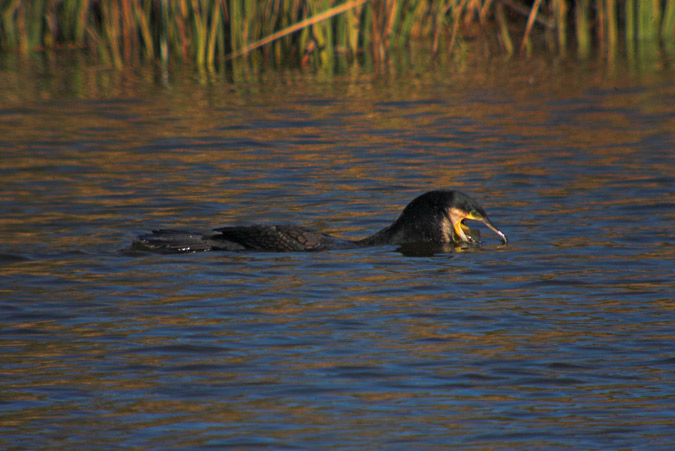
(317, 32)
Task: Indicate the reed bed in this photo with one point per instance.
(317, 32)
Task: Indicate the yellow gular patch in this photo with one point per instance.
(456, 217)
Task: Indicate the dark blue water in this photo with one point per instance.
(562, 339)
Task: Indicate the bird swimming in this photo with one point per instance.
(435, 217)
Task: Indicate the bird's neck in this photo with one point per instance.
(389, 235)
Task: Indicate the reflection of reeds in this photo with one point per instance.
(321, 32)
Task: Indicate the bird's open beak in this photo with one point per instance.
(489, 225)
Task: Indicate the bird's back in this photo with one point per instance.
(280, 238)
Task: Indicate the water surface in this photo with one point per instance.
(562, 339)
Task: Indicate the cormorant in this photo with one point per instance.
(436, 217)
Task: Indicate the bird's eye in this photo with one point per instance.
(474, 214)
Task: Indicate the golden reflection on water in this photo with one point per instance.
(114, 152)
(562, 159)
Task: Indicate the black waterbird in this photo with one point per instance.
(435, 217)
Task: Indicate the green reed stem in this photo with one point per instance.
(504, 29)
(582, 11)
(560, 10)
(612, 27)
(630, 27)
(668, 23)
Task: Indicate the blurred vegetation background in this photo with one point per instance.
(323, 33)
